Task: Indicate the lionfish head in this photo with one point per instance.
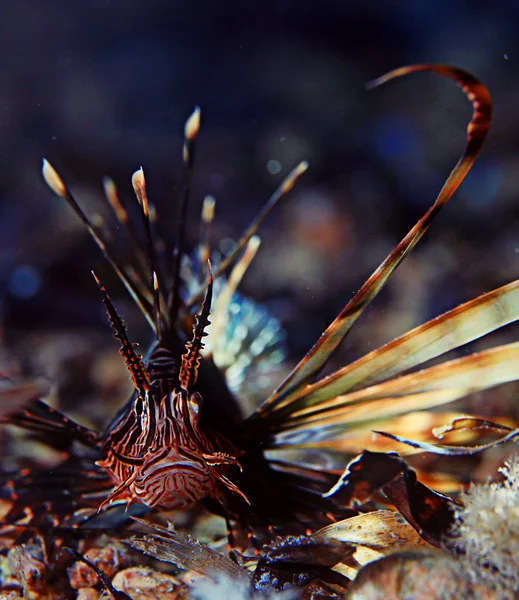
(156, 451)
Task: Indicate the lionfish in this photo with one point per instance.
(180, 440)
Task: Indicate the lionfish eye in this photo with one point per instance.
(195, 403)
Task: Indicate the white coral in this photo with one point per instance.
(487, 530)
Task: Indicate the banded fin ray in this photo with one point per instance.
(315, 359)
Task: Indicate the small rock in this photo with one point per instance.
(417, 575)
(108, 559)
(143, 583)
(88, 593)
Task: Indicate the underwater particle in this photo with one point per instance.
(24, 282)
(273, 166)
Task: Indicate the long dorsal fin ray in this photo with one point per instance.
(206, 222)
(133, 361)
(222, 302)
(145, 255)
(191, 130)
(477, 130)
(191, 359)
(123, 218)
(286, 185)
(57, 185)
(139, 186)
